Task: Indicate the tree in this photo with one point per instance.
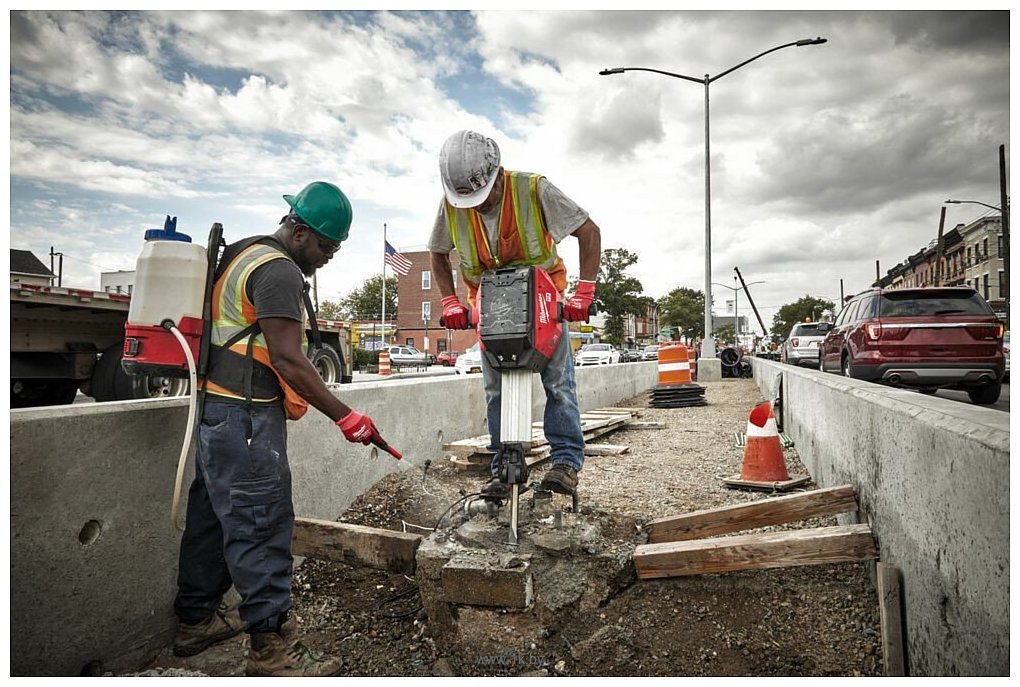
(365, 303)
(617, 294)
(330, 310)
(806, 309)
(684, 308)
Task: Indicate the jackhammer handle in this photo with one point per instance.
(470, 318)
(591, 310)
(386, 447)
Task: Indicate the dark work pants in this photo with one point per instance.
(240, 516)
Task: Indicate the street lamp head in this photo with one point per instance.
(614, 70)
(812, 41)
(952, 201)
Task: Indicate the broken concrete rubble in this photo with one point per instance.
(485, 596)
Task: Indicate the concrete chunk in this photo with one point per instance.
(476, 581)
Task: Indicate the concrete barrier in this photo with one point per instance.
(93, 553)
(932, 480)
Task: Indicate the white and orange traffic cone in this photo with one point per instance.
(764, 465)
(676, 388)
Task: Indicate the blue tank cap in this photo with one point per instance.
(167, 233)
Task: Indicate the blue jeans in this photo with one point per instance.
(240, 516)
(562, 421)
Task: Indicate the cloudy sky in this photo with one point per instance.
(824, 158)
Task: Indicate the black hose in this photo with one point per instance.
(454, 505)
(402, 594)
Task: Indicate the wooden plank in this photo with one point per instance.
(605, 449)
(786, 485)
(371, 547)
(646, 425)
(747, 516)
(755, 551)
(889, 606)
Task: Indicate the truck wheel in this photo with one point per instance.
(327, 363)
(152, 386)
(27, 393)
(109, 380)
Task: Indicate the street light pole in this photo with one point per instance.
(736, 314)
(708, 342)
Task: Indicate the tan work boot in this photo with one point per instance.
(280, 655)
(561, 478)
(194, 639)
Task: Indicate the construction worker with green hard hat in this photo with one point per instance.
(240, 518)
(324, 208)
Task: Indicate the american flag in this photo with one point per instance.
(398, 262)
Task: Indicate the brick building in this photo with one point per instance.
(419, 307)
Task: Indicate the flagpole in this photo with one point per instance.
(384, 284)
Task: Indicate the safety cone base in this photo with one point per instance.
(785, 485)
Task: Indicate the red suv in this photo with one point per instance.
(922, 338)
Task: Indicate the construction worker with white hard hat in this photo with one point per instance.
(496, 218)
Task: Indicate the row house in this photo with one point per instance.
(972, 255)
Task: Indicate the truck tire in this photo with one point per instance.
(327, 362)
(109, 380)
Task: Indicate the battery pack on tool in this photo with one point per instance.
(519, 325)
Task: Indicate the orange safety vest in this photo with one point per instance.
(239, 351)
(523, 237)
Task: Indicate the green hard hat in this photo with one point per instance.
(324, 208)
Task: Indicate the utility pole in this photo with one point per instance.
(938, 250)
(878, 273)
(60, 269)
(840, 294)
(1004, 204)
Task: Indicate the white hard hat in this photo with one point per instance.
(468, 166)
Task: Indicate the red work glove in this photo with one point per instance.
(576, 307)
(358, 428)
(454, 313)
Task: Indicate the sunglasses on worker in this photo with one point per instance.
(327, 246)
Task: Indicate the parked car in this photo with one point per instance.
(597, 354)
(801, 347)
(922, 338)
(650, 352)
(408, 355)
(1005, 354)
(469, 361)
(447, 358)
(630, 355)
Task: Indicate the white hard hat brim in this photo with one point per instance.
(470, 200)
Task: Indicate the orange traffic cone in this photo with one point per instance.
(764, 466)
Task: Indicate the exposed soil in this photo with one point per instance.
(818, 620)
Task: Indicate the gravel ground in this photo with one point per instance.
(818, 620)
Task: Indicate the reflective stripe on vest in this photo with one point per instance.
(233, 311)
(523, 238)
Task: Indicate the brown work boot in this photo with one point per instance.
(561, 478)
(280, 655)
(194, 639)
